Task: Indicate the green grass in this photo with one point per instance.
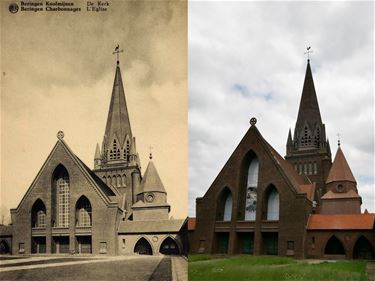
(262, 268)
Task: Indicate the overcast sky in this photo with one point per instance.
(247, 59)
(57, 74)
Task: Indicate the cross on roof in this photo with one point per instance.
(117, 52)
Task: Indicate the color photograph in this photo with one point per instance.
(281, 140)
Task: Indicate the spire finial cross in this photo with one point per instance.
(338, 139)
(308, 52)
(150, 151)
(117, 52)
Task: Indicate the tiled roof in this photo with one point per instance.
(337, 195)
(151, 181)
(105, 188)
(341, 222)
(309, 189)
(156, 226)
(300, 183)
(340, 170)
(191, 223)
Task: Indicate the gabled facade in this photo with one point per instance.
(71, 209)
(247, 208)
(67, 209)
(301, 206)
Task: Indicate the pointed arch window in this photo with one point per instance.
(317, 137)
(83, 212)
(251, 190)
(63, 201)
(306, 139)
(228, 208)
(123, 179)
(60, 197)
(224, 205)
(127, 147)
(114, 153)
(38, 212)
(273, 205)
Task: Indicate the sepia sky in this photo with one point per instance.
(247, 59)
(57, 72)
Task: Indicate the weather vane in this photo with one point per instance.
(338, 139)
(308, 52)
(151, 151)
(118, 51)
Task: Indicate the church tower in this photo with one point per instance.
(308, 150)
(117, 163)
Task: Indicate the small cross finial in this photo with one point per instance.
(308, 52)
(150, 152)
(253, 121)
(60, 135)
(117, 52)
(338, 139)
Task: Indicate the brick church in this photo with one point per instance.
(303, 205)
(113, 209)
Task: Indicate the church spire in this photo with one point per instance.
(308, 151)
(118, 124)
(118, 138)
(309, 107)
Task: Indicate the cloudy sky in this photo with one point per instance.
(57, 72)
(247, 59)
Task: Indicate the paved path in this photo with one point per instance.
(127, 268)
(370, 271)
(179, 268)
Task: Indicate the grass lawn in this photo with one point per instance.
(237, 268)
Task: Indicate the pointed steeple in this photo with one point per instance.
(97, 157)
(117, 166)
(340, 170)
(289, 143)
(97, 152)
(118, 124)
(309, 152)
(309, 108)
(290, 140)
(151, 181)
(118, 138)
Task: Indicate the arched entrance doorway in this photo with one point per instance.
(334, 247)
(363, 249)
(4, 247)
(169, 247)
(143, 247)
